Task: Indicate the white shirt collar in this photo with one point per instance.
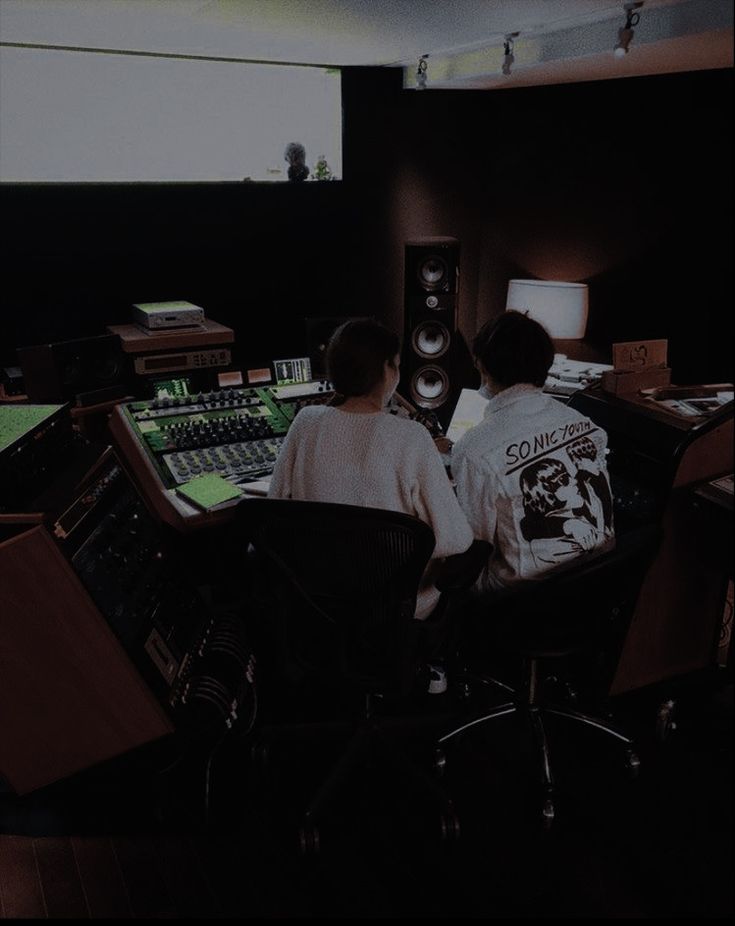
(510, 396)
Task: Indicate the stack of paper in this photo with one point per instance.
(568, 376)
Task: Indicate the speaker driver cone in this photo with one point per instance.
(70, 371)
(107, 369)
(430, 386)
(430, 340)
(433, 273)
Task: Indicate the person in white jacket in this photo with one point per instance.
(531, 476)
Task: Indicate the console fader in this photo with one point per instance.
(234, 432)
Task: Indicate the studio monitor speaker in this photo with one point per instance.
(93, 368)
(431, 288)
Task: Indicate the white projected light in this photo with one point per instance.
(77, 116)
(560, 307)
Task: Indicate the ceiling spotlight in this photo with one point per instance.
(421, 73)
(508, 56)
(625, 34)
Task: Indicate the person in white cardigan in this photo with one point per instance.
(355, 453)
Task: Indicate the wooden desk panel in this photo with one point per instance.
(135, 340)
(69, 695)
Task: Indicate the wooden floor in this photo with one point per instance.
(102, 877)
(656, 847)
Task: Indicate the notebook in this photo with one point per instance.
(208, 491)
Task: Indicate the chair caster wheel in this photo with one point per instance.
(665, 724)
(547, 814)
(440, 761)
(309, 840)
(449, 822)
(632, 763)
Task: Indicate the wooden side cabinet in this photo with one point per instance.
(70, 696)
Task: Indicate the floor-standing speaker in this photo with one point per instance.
(431, 288)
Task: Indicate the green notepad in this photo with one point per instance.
(208, 491)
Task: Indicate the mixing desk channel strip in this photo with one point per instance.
(236, 433)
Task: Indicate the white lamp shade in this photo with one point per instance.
(560, 307)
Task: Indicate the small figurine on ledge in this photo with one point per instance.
(295, 154)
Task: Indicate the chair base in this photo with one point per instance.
(368, 739)
(525, 705)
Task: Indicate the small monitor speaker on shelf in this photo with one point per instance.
(92, 367)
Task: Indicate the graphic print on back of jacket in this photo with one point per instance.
(533, 481)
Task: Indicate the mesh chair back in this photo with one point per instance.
(345, 581)
(591, 601)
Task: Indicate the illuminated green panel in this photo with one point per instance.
(17, 420)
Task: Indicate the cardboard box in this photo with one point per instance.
(626, 382)
(640, 355)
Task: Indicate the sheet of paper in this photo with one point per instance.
(468, 412)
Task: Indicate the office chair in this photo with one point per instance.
(585, 611)
(344, 581)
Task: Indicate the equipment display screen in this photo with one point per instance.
(161, 363)
(173, 388)
(288, 372)
(261, 375)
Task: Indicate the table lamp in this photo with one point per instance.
(560, 307)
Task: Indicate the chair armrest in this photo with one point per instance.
(461, 570)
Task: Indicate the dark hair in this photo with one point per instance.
(357, 353)
(514, 348)
(539, 484)
(295, 151)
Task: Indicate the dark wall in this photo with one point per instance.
(255, 257)
(623, 184)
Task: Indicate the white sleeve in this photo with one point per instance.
(475, 496)
(281, 484)
(436, 504)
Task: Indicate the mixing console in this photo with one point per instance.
(234, 432)
(236, 462)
